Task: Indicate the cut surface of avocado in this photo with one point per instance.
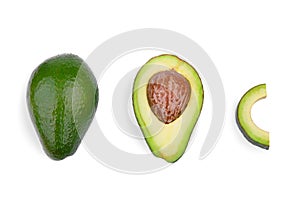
(167, 101)
(250, 130)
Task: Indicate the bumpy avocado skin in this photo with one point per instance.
(62, 99)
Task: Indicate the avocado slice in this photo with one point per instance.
(62, 99)
(252, 133)
(167, 101)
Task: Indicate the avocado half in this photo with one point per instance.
(167, 101)
(252, 133)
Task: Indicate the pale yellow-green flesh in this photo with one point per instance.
(167, 141)
(244, 115)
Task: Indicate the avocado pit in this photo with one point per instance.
(168, 93)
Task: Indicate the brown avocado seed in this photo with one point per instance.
(168, 94)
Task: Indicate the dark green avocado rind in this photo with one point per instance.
(244, 132)
(62, 98)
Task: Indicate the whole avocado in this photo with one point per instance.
(62, 99)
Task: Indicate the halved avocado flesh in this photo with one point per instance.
(252, 133)
(167, 140)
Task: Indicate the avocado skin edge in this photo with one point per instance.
(244, 132)
(247, 136)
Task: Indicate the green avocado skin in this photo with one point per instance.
(62, 99)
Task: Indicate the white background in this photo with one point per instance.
(250, 42)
